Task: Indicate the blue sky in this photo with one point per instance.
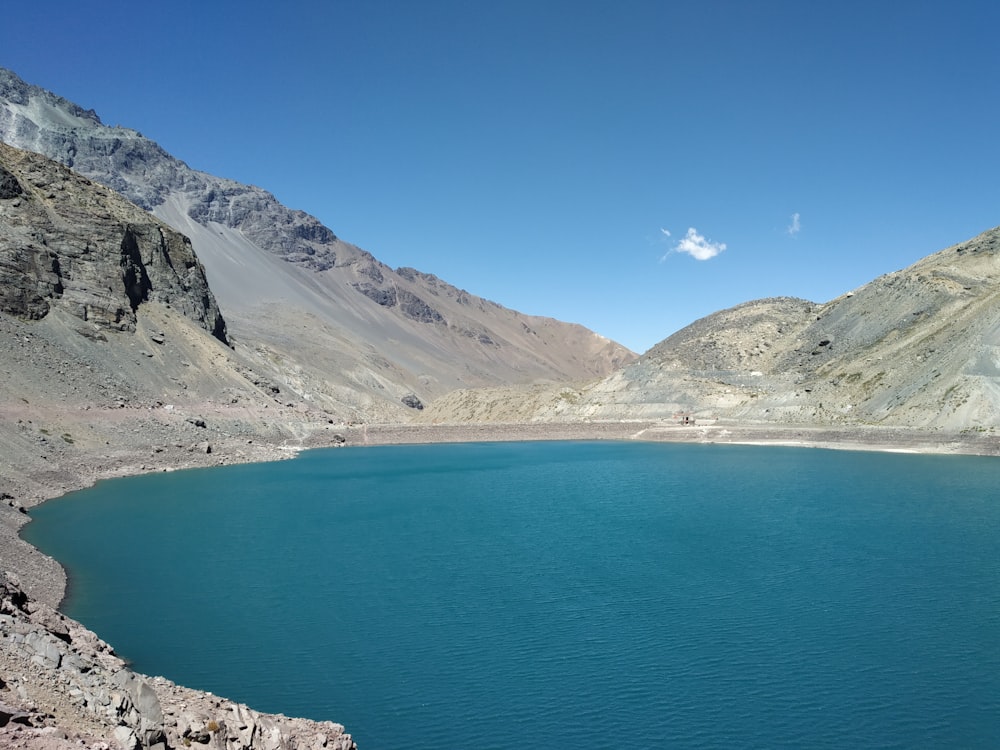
(537, 153)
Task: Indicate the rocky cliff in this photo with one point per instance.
(324, 318)
(66, 242)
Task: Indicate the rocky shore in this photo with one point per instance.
(62, 687)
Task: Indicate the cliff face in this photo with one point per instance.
(351, 334)
(66, 242)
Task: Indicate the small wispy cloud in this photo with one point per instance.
(794, 228)
(666, 232)
(695, 245)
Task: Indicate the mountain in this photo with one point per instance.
(323, 318)
(91, 252)
(917, 348)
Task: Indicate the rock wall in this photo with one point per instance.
(66, 241)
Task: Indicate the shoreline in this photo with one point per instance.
(47, 579)
(859, 438)
(875, 438)
(172, 721)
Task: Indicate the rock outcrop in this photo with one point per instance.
(56, 673)
(352, 334)
(65, 241)
(140, 170)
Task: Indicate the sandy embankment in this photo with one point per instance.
(863, 438)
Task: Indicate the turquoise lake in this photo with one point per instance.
(562, 595)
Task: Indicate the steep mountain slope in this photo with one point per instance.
(101, 274)
(333, 324)
(916, 348)
(107, 320)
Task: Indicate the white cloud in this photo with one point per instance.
(666, 232)
(795, 226)
(698, 247)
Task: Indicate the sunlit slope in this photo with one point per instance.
(918, 347)
(335, 325)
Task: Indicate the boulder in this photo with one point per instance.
(412, 401)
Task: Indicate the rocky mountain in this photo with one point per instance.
(322, 317)
(917, 348)
(67, 242)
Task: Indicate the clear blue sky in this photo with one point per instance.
(534, 152)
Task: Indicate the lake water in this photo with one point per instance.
(562, 595)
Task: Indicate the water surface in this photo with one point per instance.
(562, 595)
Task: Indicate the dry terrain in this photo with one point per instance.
(915, 349)
(321, 317)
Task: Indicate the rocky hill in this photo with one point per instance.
(917, 348)
(66, 242)
(323, 318)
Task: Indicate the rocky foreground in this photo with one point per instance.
(64, 687)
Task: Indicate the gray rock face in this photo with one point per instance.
(65, 241)
(412, 401)
(139, 169)
(412, 306)
(9, 186)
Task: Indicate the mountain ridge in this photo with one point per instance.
(915, 348)
(386, 335)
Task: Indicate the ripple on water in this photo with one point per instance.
(564, 594)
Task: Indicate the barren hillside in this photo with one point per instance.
(914, 348)
(321, 316)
